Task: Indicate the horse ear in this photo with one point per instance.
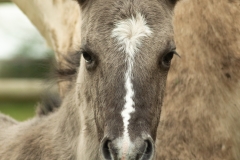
(173, 2)
(82, 2)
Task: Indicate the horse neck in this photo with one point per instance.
(77, 127)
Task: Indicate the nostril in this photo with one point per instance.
(148, 153)
(149, 147)
(106, 150)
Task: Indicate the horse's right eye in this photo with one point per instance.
(87, 57)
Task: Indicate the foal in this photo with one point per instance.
(113, 109)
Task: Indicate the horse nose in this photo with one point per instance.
(140, 149)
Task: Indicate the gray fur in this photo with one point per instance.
(91, 110)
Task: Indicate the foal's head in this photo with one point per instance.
(127, 47)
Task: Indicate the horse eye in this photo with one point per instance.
(87, 57)
(167, 58)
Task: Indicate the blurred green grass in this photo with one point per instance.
(18, 110)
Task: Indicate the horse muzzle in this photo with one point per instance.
(124, 149)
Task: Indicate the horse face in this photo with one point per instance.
(127, 47)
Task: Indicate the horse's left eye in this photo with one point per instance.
(87, 57)
(167, 58)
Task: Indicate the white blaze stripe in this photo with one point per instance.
(129, 34)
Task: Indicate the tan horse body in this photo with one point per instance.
(200, 116)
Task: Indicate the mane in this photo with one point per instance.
(50, 102)
(72, 62)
